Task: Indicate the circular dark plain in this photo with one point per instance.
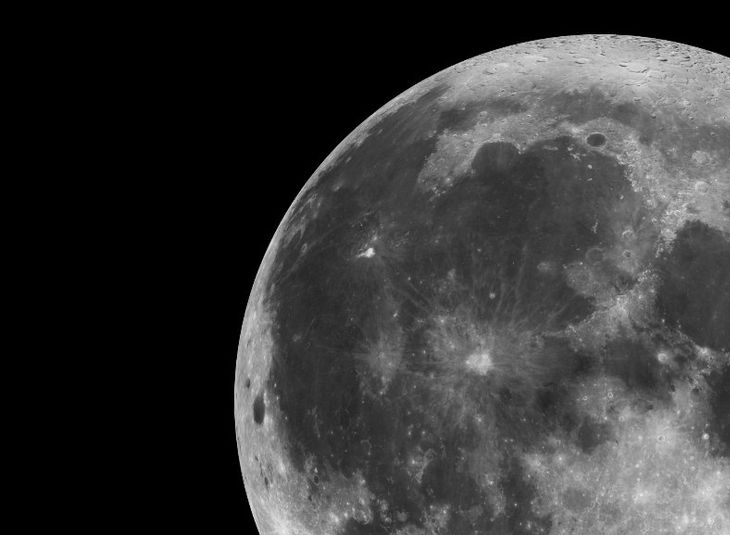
(596, 140)
(475, 319)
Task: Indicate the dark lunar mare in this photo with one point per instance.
(501, 235)
(674, 136)
(719, 425)
(694, 294)
(694, 297)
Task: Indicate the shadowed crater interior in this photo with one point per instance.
(259, 409)
(596, 140)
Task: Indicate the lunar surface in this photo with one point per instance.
(502, 306)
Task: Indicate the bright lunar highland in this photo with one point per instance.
(502, 306)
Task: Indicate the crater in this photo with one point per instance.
(480, 362)
(594, 255)
(596, 139)
(258, 409)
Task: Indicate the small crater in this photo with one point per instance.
(623, 282)
(701, 186)
(547, 267)
(258, 409)
(596, 140)
(248, 383)
(594, 255)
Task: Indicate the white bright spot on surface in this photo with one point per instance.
(480, 362)
(367, 253)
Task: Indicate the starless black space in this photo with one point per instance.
(303, 93)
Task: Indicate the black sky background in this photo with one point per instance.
(276, 100)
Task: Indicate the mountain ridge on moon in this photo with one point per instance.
(500, 306)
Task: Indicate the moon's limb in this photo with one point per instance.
(657, 182)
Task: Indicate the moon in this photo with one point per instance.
(502, 306)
